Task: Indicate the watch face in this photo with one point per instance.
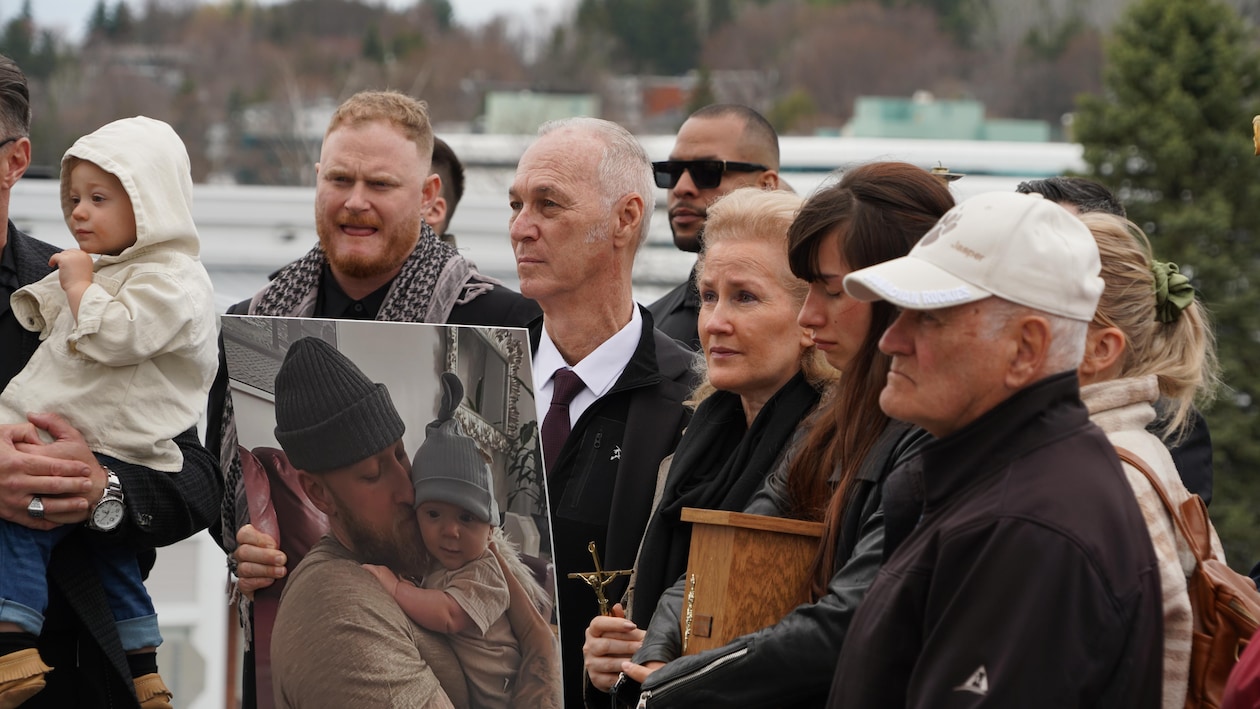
(108, 514)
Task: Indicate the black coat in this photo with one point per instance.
(677, 313)
(79, 639)
(1193, 456)
(1030, 581)
(788, 664)
(602, 483)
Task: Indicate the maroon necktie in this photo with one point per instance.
(555, 429)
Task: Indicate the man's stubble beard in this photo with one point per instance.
(397, 248)
(689, 244)
(693, 242)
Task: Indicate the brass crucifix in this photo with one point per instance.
(599, 579)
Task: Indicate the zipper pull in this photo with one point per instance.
(644, 696)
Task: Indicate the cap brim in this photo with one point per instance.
(912, 283)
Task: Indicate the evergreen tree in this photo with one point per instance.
(121, 23)
(99, 23)
(702, 94)
(1170, 135)
(44, 56)
(653, 36)
(443, 13)
(961, 19)
(373, 47)
(18, 40)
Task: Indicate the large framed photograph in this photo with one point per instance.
(307, 395)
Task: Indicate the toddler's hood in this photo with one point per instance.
(151, 162)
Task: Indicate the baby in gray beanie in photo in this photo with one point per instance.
(464, 593)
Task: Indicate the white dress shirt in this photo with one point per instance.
(599, 370)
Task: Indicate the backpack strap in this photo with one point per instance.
(1198, 542)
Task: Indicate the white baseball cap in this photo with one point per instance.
(1019, 247)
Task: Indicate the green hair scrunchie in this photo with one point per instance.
(1173, 292)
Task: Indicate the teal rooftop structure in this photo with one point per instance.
(922, 116)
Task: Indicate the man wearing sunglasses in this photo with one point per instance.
(719, 148)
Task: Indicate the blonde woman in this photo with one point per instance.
(762, 376)
(1150, 341)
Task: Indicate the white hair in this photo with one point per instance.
(624, 167)
(1067, 336)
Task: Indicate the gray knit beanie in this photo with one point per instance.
(328, 413)
(449, 466)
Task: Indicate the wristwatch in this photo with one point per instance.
(108, 513)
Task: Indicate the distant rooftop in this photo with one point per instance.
(923, 116)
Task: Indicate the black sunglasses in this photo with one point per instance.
(707, 174)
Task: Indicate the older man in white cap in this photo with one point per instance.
(1029, 579)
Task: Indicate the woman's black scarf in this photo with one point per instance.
(717, 466)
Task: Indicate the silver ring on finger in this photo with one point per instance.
(36, 508)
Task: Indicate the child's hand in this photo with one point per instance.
(387, 578)
(74, 268)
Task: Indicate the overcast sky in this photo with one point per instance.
(71, 16)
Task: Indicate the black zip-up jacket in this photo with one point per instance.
(80, 638)
(677, 313)
(1029, 582)
(787, 664)
(601, 485)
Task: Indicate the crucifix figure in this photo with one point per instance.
(599, 579)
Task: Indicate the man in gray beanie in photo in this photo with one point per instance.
(341, 432)
(464, 593)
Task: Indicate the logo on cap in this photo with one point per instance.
(944, 225)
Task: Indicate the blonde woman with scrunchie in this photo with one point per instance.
(1150, 340)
